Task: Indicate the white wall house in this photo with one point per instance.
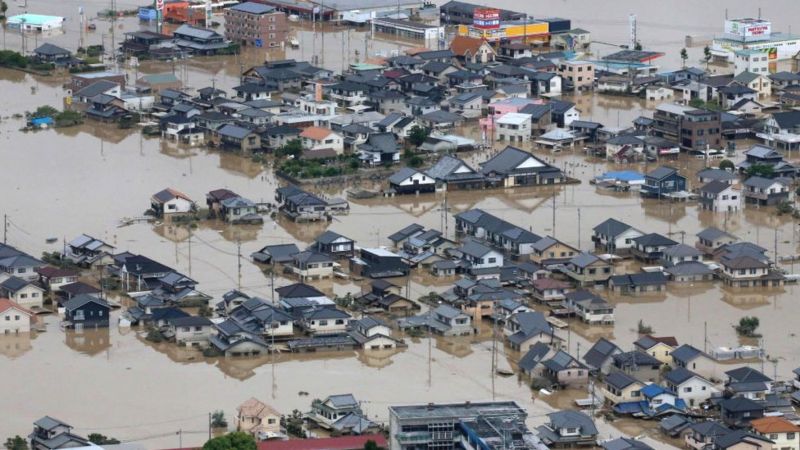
(690, 387)
(317, 138)
(14, 318)
(514, 127)
(750, 61)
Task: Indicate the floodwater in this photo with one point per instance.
(59, 183)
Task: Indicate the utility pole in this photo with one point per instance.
(190, 250)
(554, 213)
(113, 31)
(209, 426)
(239, 261)
(5, 228)
(579, 228)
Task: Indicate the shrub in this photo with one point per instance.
(747, 326)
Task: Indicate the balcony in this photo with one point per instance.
(413, 437)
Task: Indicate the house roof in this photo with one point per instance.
(611, 228)
(600, 352)
(509, 159)
(686, 353)
(715, 187)
(463, 45)
(662, 172)
(743, 262)
(83, 299)
(6, 304)
(316, 133)
(168, 194)
(298, 290)
(328, 237)
(654, 240)
(787, 119)
(647, 341)
(747, 375)
(48, 423)
(620, 380)
(402, 175)
(253, 407)
(679, 375)
(713, 233)
(535, 354)
(735, 437)
(624, 443)
(573, 419)
(234, 131)
(635, 358)
(252, 8)
(768, 425)
(406, 232)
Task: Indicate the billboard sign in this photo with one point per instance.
(749, 28)
(486, 18)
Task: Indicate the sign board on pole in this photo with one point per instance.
(159, 5)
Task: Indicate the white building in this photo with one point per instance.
(514, 127)
(14, 318)
(318, 138)
(756, 35)
(690, 387)
(750, 61)
(35, 22)
(719, 196)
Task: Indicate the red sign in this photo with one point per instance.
(486, 18)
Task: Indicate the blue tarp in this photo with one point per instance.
(39, 121)
(148, 14)
(622, 175)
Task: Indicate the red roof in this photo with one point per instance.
(8, 304)
(337, 443)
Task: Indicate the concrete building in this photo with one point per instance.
(257, 25)
(438, 425)
(579, 73)
(750, 61)
(514, 127)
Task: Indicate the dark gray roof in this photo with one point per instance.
(234, 131)
(624, 443)
(679, 375)
(508, 160)
(440, 116)
(298, 290)
(534, 356)
(715, 187)
(689, 268)
(190, 321)
(740, 404)
(685, 353)
(14, 284)
(747, 375)
(661, 172)
(328, 237)
(83, 299)
(49, 49)
(96, 88)
(252, 8)
(736, 437)
(713, 233)
(654, 240)
(611, 228)
(573, 419)
(761, 182)
(620, 380)
(402, 175)
(601, 351)
(635, 358)
(48, 423)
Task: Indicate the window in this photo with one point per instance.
(323, 323)
(790, 436)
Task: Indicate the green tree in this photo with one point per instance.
(16, 443)
(293, 148)
(45, 111)
(707, 55)
(637, 46)
(760, 170)
(417, 135)
(727, 164)
(642, 328)
(371, 445)
(232, 441)
(697, 103)
(100, 439)
(218, 419)
(747, 326)
(684, 56)
(785, 207)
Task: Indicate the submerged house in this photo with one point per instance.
(515, 167)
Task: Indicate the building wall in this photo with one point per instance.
(29, 297)
(246, 28)
(192, 336)
(698, 391)
(14, 321)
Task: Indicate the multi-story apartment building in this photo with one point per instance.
(690, 128)
(257, 25)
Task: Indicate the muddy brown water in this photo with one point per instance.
(59, 183)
